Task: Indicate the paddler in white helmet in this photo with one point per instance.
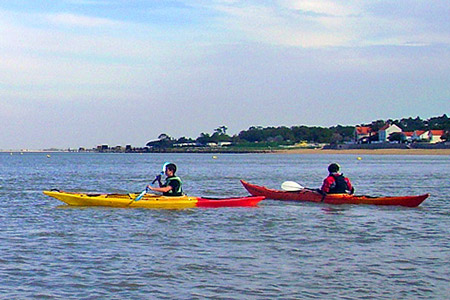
(172, 186)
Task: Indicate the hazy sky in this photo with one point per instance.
(85, 72)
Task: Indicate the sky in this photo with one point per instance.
(80, 73)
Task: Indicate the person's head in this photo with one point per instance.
(172, 168)
(333, 168)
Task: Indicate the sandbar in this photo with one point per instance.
(368, 151)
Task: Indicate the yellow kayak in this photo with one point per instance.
(149, 200)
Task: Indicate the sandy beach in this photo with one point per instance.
(369, 152)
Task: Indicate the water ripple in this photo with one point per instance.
(279, 250)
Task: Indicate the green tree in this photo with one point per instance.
(300, 133)
(411, 124)
(439, 123)
(345, 131)
(397, 137)
(183, 139)
(253, 134)
(336, 138)
(164, 137)
(221, 130)
(220, 135)
(164, 141)
(376, 125)
(204, 138)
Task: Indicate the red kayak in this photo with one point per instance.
(314, 196)
(228, 202)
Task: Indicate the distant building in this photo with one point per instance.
(190, 144)
(117, 149)
(419, 135)
(386, 131)
(434, 136)
(431, 136)
(362, 134)
(408, 135)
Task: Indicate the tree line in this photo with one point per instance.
(410, 124)
(296, 134)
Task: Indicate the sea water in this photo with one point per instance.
(278, 250)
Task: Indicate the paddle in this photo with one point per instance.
(141, 195)
(157, 178)
(291, 186)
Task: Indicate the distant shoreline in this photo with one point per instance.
(286, 151)
(368, 151)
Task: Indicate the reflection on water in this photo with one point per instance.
(333, 210)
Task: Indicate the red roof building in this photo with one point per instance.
(362, 132)
(434, 136)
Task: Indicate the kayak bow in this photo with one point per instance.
(149, 200)
(309, 195)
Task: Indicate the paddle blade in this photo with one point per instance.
(291, 186)
(141, 195)
(164, 167)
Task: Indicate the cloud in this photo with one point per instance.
(326, 23)
(323, 7)
(290, 59)
(90, 2)
(49, 62)
(80, 20)
(282, 28)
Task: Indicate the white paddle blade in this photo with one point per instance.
(141, 195)
(291, 186)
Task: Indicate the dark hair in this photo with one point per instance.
(333, 168)
(171, 167)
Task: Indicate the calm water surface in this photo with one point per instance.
(278, 250)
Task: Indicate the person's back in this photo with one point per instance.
(336, 183)
(176, 184)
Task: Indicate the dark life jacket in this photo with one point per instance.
(340, 186)
(172, 192)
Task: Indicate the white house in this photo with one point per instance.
(434, 136)
(419, 135)
(362, 134)
(386, 130)
(408, 135)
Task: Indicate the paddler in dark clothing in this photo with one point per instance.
(336, 183)
(172, 186)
